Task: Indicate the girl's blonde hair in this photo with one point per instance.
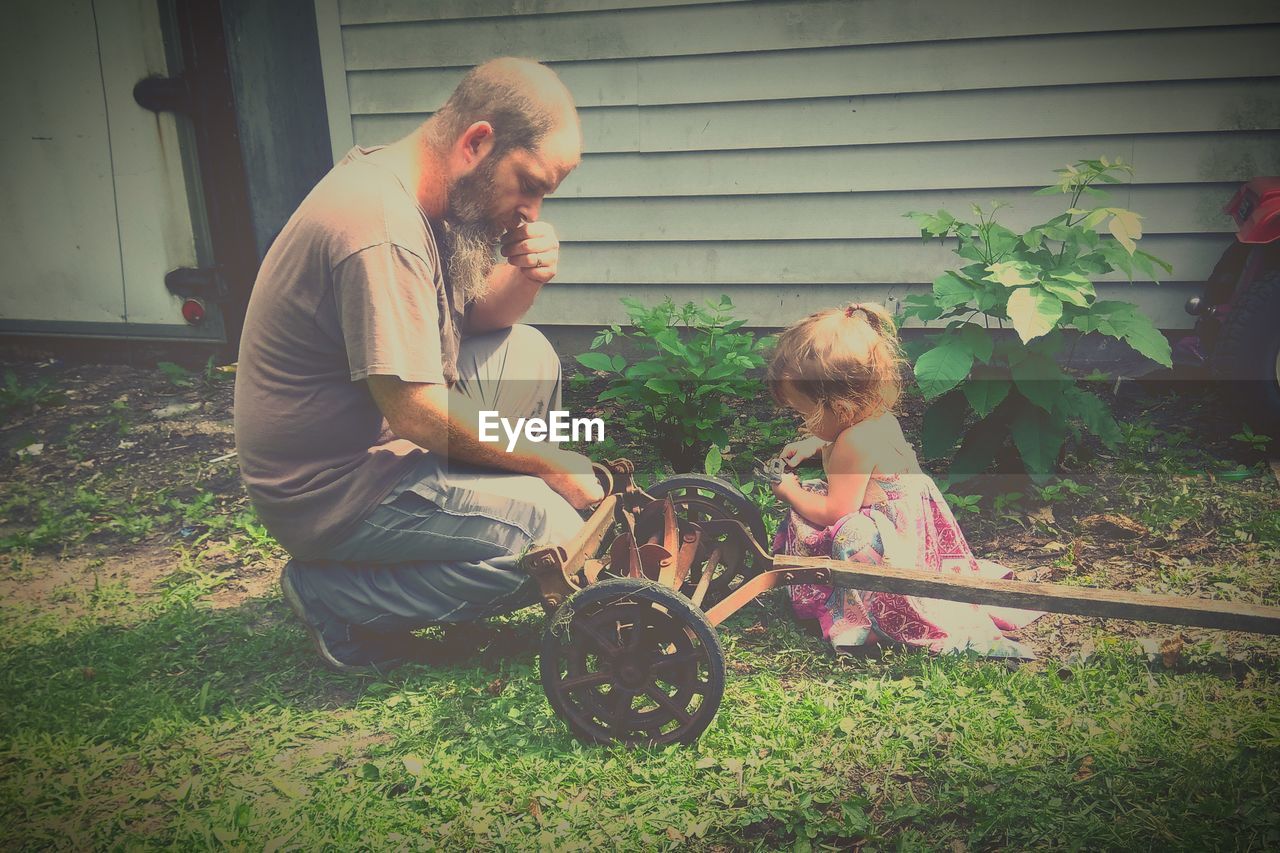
(846, 359)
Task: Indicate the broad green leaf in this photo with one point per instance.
(1099, 318)
(1070, 287)
(713, 461)
(1141, 334)
(1093, 412)
(968, 250)
(943, 424)
(1168, 267)
(978, 340)
(595, 361)
(722, 370)
(1125, 226)
(949, 290)
(662, 386)
(943, 367)
(1038, 437)
(984, 394)
(1123, 320)
(669, 340)
(1033, 312)
(612, 393)
(1013, 273)
(1093, 217)
(1039, 379)
(992, 301)
(1000, 241)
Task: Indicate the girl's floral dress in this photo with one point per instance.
(914, 526)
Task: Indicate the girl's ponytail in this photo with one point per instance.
(876, 315)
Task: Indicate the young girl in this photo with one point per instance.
(839, 369)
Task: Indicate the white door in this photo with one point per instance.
(95, 206)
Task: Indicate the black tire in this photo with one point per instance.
(1247, 355)
(615, 638)
(733, 503)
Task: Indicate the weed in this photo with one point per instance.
(1059, 491)
(16, 397)
(1255, 442)
(964, 503)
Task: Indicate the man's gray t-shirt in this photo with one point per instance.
(351, 287)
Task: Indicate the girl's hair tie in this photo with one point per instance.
(855, 306)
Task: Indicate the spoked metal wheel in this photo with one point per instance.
(701, 498)
(723, 515)
(629, 661)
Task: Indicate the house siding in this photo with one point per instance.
(768, 150)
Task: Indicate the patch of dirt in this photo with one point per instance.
(69, 584)
(257, 580)
(334, 752)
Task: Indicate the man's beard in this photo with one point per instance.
(470, 235)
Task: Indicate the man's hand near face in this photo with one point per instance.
(532, 251)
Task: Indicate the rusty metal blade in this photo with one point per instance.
(670, 528)
(689, 541)
(624, 560)
(704, 580)
(652, 558)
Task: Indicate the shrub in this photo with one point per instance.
(1040, 282)
(676, 395)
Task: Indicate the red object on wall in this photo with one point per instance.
(1256, 210)
(193, 311)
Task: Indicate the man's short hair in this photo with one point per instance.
(522, 99)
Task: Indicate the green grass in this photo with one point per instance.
(144, 719)
(165, 723)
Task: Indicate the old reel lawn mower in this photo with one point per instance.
(630, 653)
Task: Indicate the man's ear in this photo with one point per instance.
(475, 143)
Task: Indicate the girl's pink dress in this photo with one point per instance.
(914, 526)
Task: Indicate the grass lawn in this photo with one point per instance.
(156, 692)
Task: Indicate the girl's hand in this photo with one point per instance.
(785, 487)
(801, 449)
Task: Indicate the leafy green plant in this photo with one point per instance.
(1253, 440)
(16, 397)
(1058, 492)
(1040, 284)
(177, 375)
(205, 379)
(676, 395)
(963, 503)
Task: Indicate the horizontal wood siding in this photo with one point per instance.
(769, 149)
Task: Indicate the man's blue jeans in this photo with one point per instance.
(444, 546)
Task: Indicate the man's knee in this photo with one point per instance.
(560, 521)
(532, 348)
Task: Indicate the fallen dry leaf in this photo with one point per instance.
(1044, 515)
(1114, 524)
(1086, 768)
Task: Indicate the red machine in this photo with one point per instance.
(1237, 331)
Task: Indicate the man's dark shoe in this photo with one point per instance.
(347, 648)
